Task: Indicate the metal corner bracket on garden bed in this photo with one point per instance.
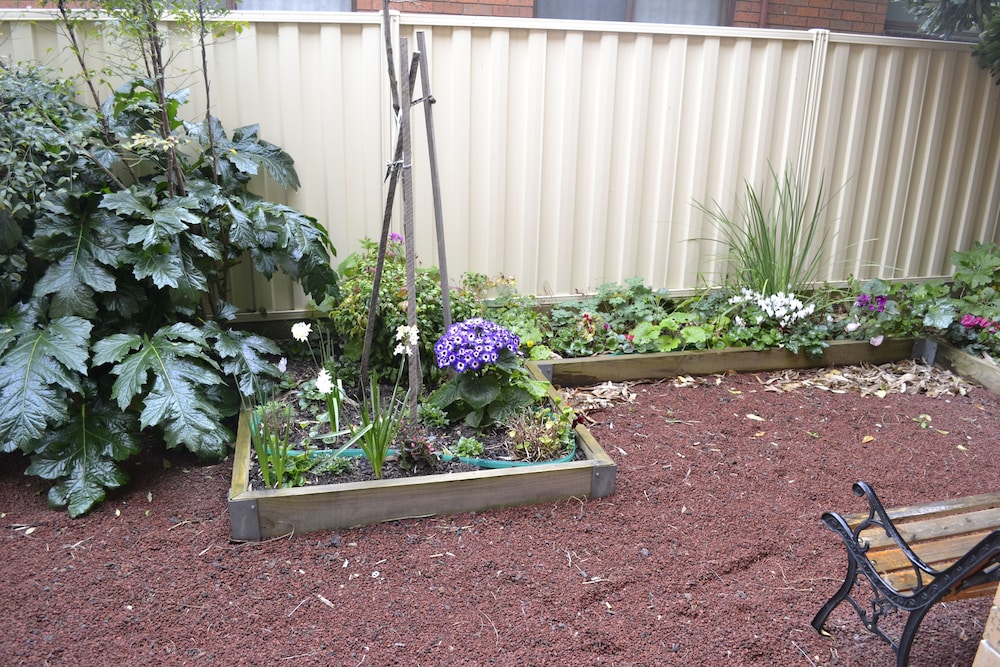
(263, 514)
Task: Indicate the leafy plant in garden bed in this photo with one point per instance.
(119, 225)
(489, 402)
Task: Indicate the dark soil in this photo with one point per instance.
(710, 552)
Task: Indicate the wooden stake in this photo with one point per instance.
(406, 99)
(428, 99)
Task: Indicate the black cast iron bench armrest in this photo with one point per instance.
(913, 557)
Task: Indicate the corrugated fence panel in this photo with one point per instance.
(574, 153)
(582, 151)
(908, 148)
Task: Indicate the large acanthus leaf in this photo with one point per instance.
(176, 399)
(292, 242)
(165, 269)
(242, 354)
(81, 244)
(16, 321)
(129, 202)
(178, 404)
(73, 225)
(81, 456)
(170, 218)
(242, 231)
(246, 153)
(36, 372)
(72, 282)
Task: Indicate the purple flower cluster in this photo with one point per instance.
(975, 322)
(876, 305)
(472, 344)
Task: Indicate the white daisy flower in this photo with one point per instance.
(301, 331)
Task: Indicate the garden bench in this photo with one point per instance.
(914, 557)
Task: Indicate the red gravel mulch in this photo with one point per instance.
(710, 552)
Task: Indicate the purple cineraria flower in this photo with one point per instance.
(395, 238)
(473, 344)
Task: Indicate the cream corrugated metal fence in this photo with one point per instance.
(572, 153)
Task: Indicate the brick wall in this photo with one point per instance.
(517, 8)
(836, 15)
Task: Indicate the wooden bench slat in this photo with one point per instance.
(939, 554)
(982, 501)
(905, 582)
(937, 527)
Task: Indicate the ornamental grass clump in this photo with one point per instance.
(489, 383)
(777, 241)
(382, 421)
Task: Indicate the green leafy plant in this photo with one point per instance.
(602, 323)
(543, 434)
(380, 422)
(348, 312)
(332, 465)
(678, 330)
(417, 454)
(468, 447)
(431, 415)
(885, 309)
(581, 333)
(490, 383)
(776, 243)
(119, 225)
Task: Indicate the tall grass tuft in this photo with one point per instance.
(776, 243)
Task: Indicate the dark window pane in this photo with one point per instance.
(692, 12)
(596, 10)
(297, 5)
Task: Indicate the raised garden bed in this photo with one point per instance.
(263, 514)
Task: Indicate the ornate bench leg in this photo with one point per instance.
(842, 594)
(909, 633)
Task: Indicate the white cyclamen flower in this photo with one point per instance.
(324, 383)
(283, 365)
(301, 331)
(852, 326)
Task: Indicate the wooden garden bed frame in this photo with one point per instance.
(258, 514)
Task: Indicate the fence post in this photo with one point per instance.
(814, 96)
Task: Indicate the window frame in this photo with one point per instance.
(726, 8)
